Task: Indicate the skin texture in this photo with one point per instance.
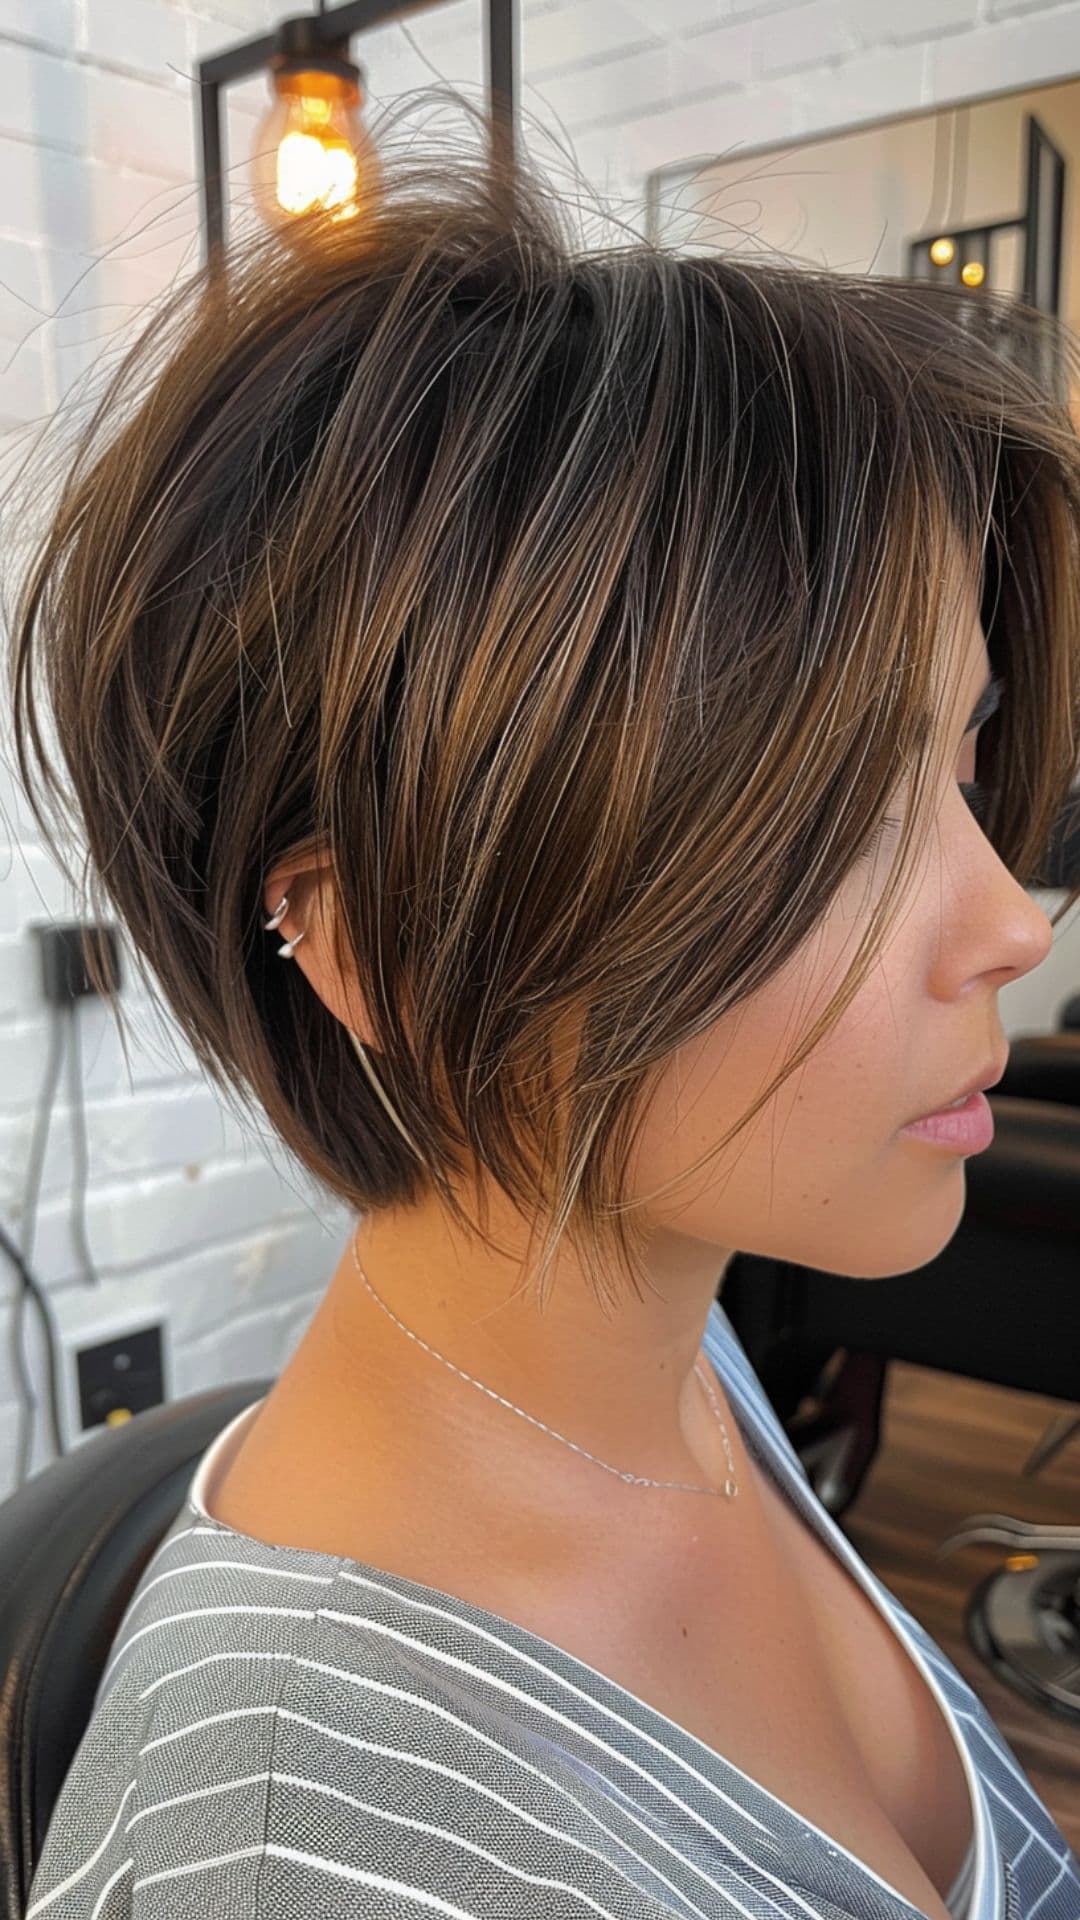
(823, 1177)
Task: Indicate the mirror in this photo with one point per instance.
(976, 195)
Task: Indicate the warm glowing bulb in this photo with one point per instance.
(312, 171)
(313, 152)
(973, 273)
(942, 251)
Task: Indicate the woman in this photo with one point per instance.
(632, 695)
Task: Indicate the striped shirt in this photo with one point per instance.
(282, 1733)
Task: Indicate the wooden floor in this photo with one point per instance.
(952, 1447)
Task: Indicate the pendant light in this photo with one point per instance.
(312, 151)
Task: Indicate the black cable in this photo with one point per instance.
(79, 1145)
(52, 1341)
(21, 1259)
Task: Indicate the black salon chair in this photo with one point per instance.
(73, 1543)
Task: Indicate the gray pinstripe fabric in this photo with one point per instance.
(281, 1734)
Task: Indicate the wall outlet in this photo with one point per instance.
(114, 1368)
(120, 1377)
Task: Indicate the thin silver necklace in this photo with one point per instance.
(726, 1492)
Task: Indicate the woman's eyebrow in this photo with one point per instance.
(988, 702)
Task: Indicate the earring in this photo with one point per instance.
(285, 952)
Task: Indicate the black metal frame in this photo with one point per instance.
(1038, 144)
(977, 238)
(1040, 225)
(973, 243)
(333, 28)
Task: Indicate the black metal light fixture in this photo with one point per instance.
(312, 148)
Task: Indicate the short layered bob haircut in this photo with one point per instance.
(585, 607)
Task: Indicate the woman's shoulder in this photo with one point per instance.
(273, 1733)
(169, 1784)
(277, 1726)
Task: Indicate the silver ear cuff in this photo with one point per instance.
(284, 952)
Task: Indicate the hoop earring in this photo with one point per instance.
(286, 951)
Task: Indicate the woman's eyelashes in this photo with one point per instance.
(974, 793)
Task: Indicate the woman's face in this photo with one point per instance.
(824, 1175)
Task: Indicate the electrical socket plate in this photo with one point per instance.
(119, 1329)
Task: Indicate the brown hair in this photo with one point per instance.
(585, 605)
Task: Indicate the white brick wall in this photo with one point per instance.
(189, 1213)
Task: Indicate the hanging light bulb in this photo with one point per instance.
(973, 273)
(312, 152)
(942, 251)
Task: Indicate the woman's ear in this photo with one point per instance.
(293, 878)
(308, 884)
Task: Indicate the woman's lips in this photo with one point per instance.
(965, 1129)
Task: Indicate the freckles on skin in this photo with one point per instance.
(821, 1175)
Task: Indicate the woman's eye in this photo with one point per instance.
(974, 793)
